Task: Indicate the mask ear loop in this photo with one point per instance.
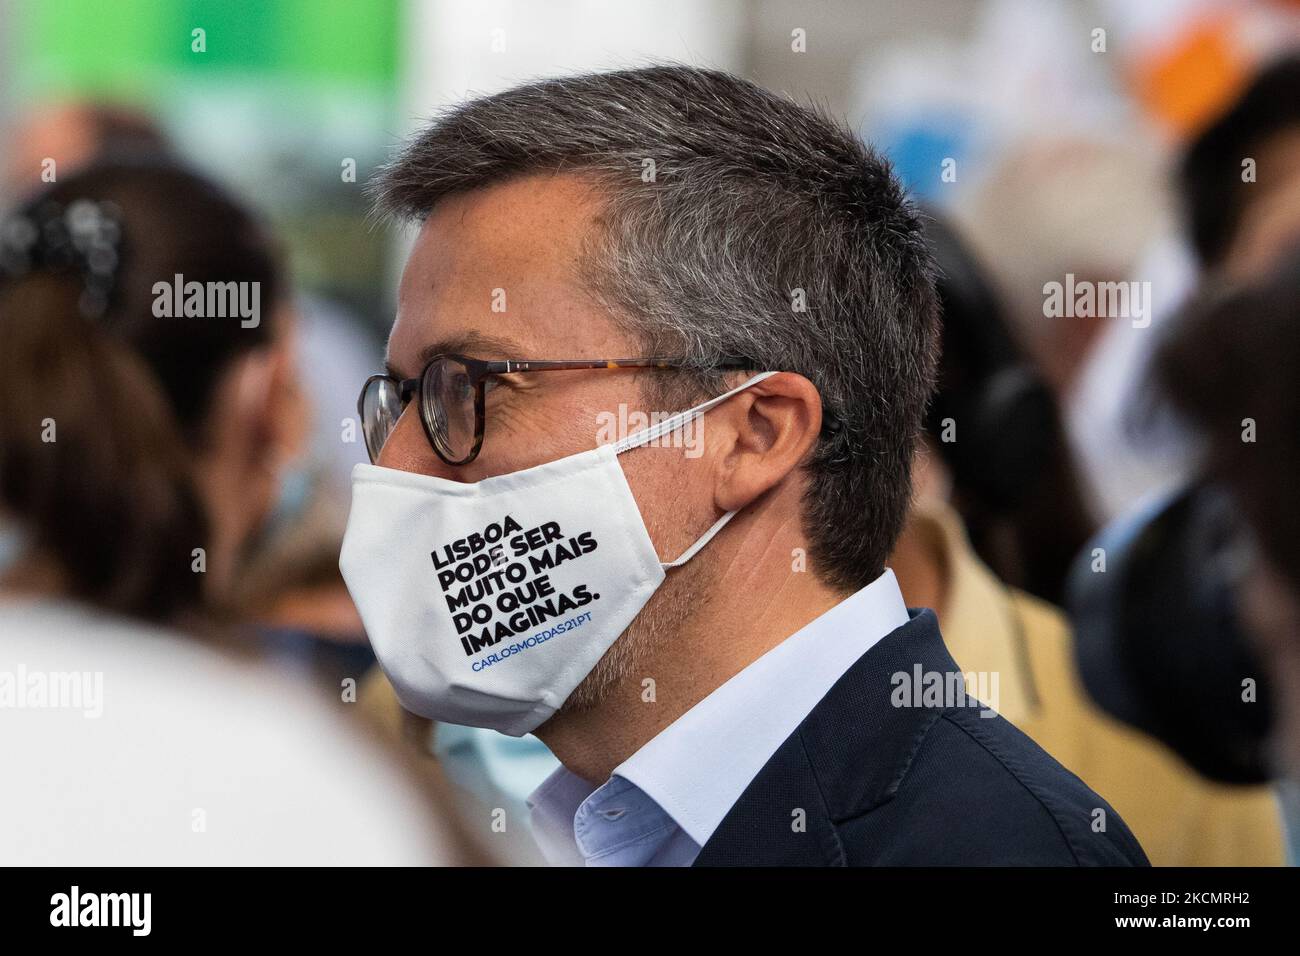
(704, 539)
(659, 429)
(662, 428)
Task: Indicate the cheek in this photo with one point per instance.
(525, 429)
(646, 476)
(673, 494)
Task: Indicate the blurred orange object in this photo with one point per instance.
(1189, 79)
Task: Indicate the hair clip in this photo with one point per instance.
(83, 237)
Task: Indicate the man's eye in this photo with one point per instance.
(461, 389)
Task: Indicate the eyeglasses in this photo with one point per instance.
(451, 392)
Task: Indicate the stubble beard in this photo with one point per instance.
(631, 660)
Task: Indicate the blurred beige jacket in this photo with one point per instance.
(1180, 818)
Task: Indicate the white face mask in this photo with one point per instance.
(488, 603)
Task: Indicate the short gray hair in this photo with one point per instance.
(725, 205)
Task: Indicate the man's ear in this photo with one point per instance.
(766, 432)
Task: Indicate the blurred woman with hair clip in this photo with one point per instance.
(141, 446)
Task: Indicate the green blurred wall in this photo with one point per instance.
(131, 47)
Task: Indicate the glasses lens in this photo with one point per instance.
(449, 408)
(381, 407)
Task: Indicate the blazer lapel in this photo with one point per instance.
(780, 819)
(846, 758)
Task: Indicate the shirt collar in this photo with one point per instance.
(697, 768)
(552, 808)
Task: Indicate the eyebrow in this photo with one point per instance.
(474, 344)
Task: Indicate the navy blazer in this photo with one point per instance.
(885, 785)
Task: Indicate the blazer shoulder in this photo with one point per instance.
(877, 775)
(978, 791)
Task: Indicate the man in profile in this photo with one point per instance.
(773, 701)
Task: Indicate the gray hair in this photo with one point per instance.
(726, 209)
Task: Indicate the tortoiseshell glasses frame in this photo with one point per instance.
(452, 391)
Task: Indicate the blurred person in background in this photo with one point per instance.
(1076, 212)
(993, 436)
(1239, 181)
(288, 586)
(141, 449)
(1107, 210)
(1234, 358)
(995, 424)
(1159, 637)
(1239, 177)
(60, 138)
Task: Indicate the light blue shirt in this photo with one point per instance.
(661, 805)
